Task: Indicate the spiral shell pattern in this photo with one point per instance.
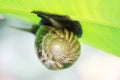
(59, 49)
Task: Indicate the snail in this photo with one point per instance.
(56, 40)
(56, 43)
(58, 49)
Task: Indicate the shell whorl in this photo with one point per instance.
(58, 48)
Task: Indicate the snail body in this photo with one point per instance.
(56, 42)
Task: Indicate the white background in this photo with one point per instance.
(18, 61)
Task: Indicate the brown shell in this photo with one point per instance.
(59, 49)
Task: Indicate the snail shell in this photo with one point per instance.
(57, 48)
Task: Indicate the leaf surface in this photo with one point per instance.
(100, 19)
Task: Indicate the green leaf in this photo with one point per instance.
(99, 18)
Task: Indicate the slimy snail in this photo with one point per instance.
(57, 40)
(56, 43)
